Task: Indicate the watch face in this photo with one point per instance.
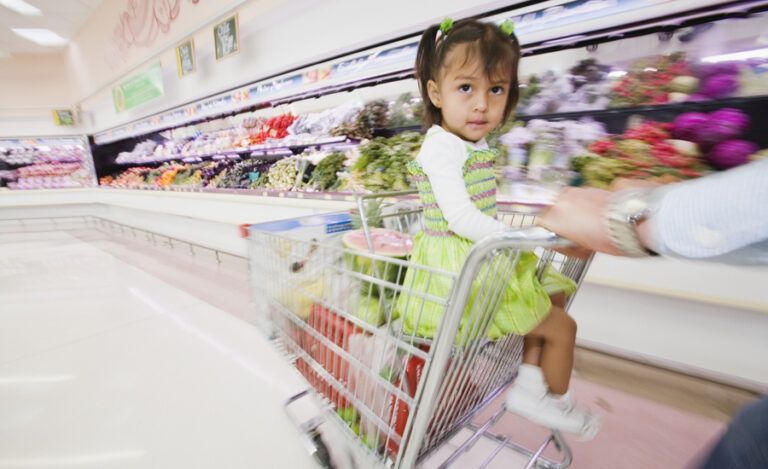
(638, 217)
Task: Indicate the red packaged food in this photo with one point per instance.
(337, 330)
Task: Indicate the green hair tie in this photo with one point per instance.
(446, 26)
(507, 27)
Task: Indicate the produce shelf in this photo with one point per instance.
(264, 151)
(616, 119)
(702, 106)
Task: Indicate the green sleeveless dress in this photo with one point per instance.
(525, 301)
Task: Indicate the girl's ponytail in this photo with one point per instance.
(425, 66)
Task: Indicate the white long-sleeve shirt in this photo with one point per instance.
(442, 157)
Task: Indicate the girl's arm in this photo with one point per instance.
(442, 159)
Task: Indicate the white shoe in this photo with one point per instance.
(556, 413)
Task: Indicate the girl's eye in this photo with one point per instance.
(497, 90)
(465, 88)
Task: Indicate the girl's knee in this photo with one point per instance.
(566, 325)
(570, 327)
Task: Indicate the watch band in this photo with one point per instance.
(626, 210)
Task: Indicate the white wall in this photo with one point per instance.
(95, 61)
(27, 122)
(31, 86)
(206, 219)
(288, 35)
(723, 343)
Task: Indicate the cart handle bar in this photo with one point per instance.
(387, 195)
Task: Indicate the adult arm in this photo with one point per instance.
(722, 218)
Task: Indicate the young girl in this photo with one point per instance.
(467, 75)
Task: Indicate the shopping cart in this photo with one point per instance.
(395, 394)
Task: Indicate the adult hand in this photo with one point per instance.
(579, 214)
(620, 184)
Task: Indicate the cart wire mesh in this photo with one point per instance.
(344, 316)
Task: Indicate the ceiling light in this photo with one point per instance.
(744, 55)
(44, 37)
(21, 7)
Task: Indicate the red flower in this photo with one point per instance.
(690, 173)
(669, 156)
(601, 147)
(638, 174)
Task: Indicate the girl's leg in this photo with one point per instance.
(532, 350)
(551, 344)
(558, 299)
(532, 346)
(558, 335)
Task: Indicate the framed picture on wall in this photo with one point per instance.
(63, 117)
(226, 37)
(185, 57)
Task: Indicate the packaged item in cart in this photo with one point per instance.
(460, 390)
(326, 338)
(377, 364)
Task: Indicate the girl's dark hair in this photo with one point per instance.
(498, 52)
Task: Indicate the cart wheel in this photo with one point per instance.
(321, 451)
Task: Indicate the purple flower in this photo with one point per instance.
(720, 86)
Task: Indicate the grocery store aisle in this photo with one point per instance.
(104, 365)
(117, 353)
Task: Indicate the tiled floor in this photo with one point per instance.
(103, 365)
(114, 353)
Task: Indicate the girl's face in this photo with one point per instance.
(471, 104)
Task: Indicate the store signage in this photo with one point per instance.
(350, 66)
(397, 58)
(42, 141)
(226, 37)
(139, 89)
(265, 89)
(185, 58)
(398, 54)
(574, 12)
(63, 117)
(318, 74)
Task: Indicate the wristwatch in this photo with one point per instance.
(626, 210)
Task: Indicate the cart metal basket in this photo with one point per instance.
(395, 393)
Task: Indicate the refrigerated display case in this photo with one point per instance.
(583, 100)
(46, 163)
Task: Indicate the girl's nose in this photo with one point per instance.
(481, 103)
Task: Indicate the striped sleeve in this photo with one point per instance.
(722, 218)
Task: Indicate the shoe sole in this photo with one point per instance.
(578, 433)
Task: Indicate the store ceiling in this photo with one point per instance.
(63, 17)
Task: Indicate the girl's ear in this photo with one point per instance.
(434, 93)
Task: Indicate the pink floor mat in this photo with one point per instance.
(636, 433)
